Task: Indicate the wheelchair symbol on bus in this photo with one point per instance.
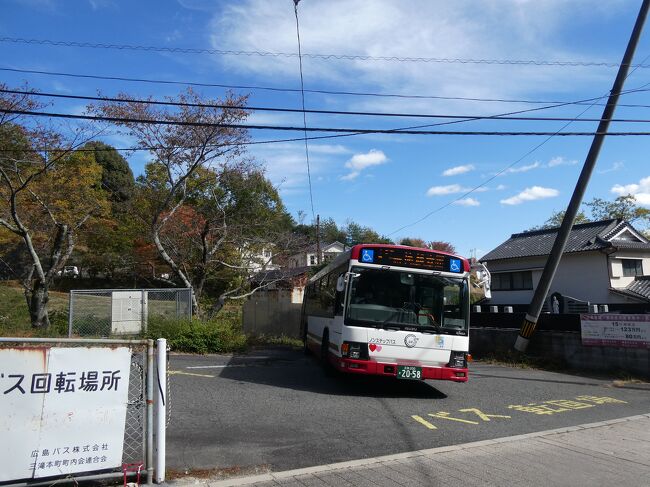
(454, 265)
(367, 255)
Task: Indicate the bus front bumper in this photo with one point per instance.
(368, 367)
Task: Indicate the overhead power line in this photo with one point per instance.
(559, 132)
(346, 57)
(316, 91)
(304, 122)
(339, 130)
(316, 111)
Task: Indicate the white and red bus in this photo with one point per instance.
(390, 310)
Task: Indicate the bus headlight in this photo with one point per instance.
(458, 360)
(355, 350)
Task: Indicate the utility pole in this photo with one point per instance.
(318, 239)
(530, 321)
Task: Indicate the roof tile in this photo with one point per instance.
(583, 237)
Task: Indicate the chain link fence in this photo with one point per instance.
(137, 447)
(111, 312)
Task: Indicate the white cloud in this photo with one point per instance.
(514, 170)
(501, 187)
(436, 29)
(351, 176)
(359, 162)
(613, 168)
(531, 194)
(328, 149)
(640, 190)
(467, 202)
(325, 149)
(454, 171)
(286, 165)
(561, 161)
(444, 190)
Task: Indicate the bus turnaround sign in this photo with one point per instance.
(62, 410)
(631, 331)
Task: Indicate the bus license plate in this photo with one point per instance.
(409, 372)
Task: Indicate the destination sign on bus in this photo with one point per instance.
(416, 259)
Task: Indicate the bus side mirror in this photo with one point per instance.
(350, 275)
(340, 283)
(483, 278)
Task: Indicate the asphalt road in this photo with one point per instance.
(278, 410)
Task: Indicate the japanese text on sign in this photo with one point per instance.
(632, 331)
(59, 415)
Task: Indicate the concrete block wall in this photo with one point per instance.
(566, 347)
(272, 313)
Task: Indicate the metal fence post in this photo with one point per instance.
(190, 304)
(150, 379)
(161, 408)
(70, 312)
(110, 316)
(144, 308)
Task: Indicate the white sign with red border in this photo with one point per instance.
(613, 330)
(62, 410)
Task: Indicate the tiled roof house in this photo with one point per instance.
(604, 262)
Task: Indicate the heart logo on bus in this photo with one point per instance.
(374, 347)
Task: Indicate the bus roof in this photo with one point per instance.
(354, 252)
(357, 248)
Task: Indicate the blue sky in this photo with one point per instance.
(382, 181)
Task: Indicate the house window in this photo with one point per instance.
(312, 260)
(632, 267)
(512, 281)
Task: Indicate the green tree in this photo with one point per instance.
(196, 137)
(117, 177)
(230, 223)
(358, 234)
(624, 207)
(110, 240)
(48, 193)
(555, 220)
(330, 232)
(413, 242)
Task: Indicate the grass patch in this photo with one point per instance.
(223, 334)
(275, 341)
(14, 315)
(220, 335)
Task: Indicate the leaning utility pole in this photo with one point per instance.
(530, 321)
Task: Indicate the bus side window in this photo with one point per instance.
(312, 302)
(328, 290)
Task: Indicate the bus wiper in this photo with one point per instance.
(391, 327)
(431, 329)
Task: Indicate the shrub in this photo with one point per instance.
(196, 336)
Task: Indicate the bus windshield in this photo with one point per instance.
(407, 300)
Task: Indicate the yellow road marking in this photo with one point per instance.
(423, 421)
(443, 415)
(180, 372)
(481, 414)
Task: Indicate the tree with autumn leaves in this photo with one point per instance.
(48, 193)
(203, 214)
(209, 209)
